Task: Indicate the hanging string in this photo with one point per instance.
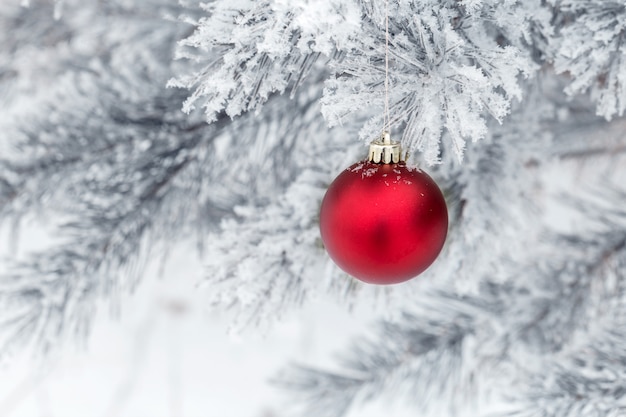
(386, 117)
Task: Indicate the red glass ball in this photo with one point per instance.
(383, 223)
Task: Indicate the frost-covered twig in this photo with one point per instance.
(258, 48)
(106, 157)
(586, 377)
(448, 68)
(269, 257)
(420, 356)
(591, 50)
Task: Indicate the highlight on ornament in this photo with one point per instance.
(382, 221)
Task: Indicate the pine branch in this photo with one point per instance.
(591, 49)
(445, 75)
(586, 381)
(421, 355)
(493, 194)
(583, 375)
(268, 258)
(113, 158)
(447, 69)
(262, 47)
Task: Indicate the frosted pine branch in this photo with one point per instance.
(448, 70)
(421, 355)
(584, 379)
(269, 258)
(591, 50)
(262, 285)
(260, 47)
(447, 73)
(497, 177)
(585, 382)
(108, 158)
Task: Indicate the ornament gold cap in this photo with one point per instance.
(384, 151)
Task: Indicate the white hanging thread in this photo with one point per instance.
(386, 117)
(384, 150)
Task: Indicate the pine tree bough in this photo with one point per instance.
(516, 309)
(451, 62)
(591, 51)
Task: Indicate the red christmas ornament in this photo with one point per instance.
(381, 221)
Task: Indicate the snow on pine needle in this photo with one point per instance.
(447, 70)
(420, 355)
(446, 74)
(104, 151)
(269, 258)
(268, 261)
(259, 48)
(583, 376)
(591, 50)
(96, 150)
